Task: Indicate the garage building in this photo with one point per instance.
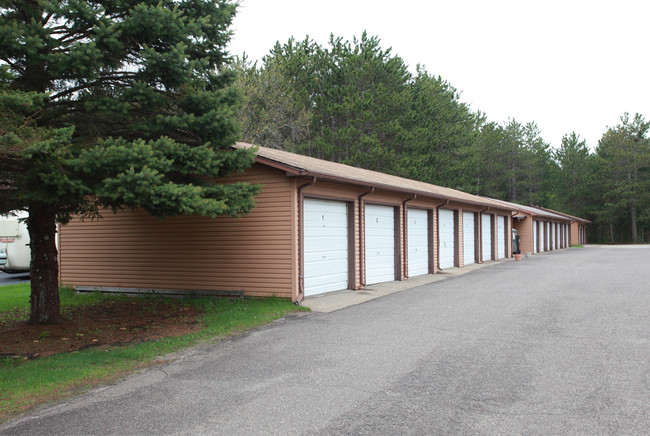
(539, 229)
(317, 227)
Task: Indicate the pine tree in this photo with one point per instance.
(109, 105)
(624, 163)
(574, 175)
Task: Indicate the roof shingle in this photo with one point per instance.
(312, 167)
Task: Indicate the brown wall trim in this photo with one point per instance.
(477, 237)
(405, 220)
(456, 239)
(362, 239)
(430, 236)
(397, 248)
(301, 239)
(351, 246)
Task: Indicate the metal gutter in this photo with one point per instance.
(405, 248)
(362, 244)
(301, 242)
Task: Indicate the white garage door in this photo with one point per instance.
(446, 233)
(469, 238)
(542, 236)
(535, 236)
(418, 242)
(566, 235)
(380, 244)
(501, 237)
(546, 240)
(486, 237)
(551, 235)
(326, 246)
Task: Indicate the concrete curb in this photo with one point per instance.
(332, 301)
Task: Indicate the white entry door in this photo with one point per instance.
(486, 237)
(501, 237)
(325, 227)
(469, 238)
(418, 242)
(446, 232)
(535, 236)
(380, 243)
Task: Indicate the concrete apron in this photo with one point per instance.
(331, 301)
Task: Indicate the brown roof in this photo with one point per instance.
(535, 211)
(573, 218)
(299, 165)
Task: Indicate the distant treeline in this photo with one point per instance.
(356, 103)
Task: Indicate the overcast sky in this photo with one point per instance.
(567, 65)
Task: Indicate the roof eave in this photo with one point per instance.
(391, 188)
(294, 171)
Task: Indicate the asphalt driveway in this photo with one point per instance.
(13, 279)
(555, 344)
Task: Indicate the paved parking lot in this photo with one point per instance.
(555, 344)
(12, 279)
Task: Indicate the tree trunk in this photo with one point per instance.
(45, 307)
(635, 236)
(611, 233)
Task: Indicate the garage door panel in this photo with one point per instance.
(468, 238)
(418, 242)
(379, 243)
(551, 235)
(325, 241)
(486, 237)
(446, 232)
(501, 235)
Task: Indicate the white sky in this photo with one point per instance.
(568, 65)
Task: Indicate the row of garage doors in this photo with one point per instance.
(326, 242)
(549, 236)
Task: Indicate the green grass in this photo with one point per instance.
(25, 383)
(14, 297)
(576, 246)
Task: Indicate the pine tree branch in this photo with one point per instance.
(13, 65)
(116, 80)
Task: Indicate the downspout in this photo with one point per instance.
(509, 235)
(480, 232)
(438, 232)
(405, 250)
(301, 242)
(362, 258)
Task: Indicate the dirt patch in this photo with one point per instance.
(99, 325)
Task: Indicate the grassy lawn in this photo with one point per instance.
(26, 382)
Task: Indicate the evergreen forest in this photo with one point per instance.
(357, 103)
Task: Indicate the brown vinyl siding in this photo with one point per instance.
(524, 229)
(132, 249)
(261, 253)
(573, 233)
(458, 231)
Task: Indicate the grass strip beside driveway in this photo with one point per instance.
(28, 381)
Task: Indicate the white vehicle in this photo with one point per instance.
(15, 255)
